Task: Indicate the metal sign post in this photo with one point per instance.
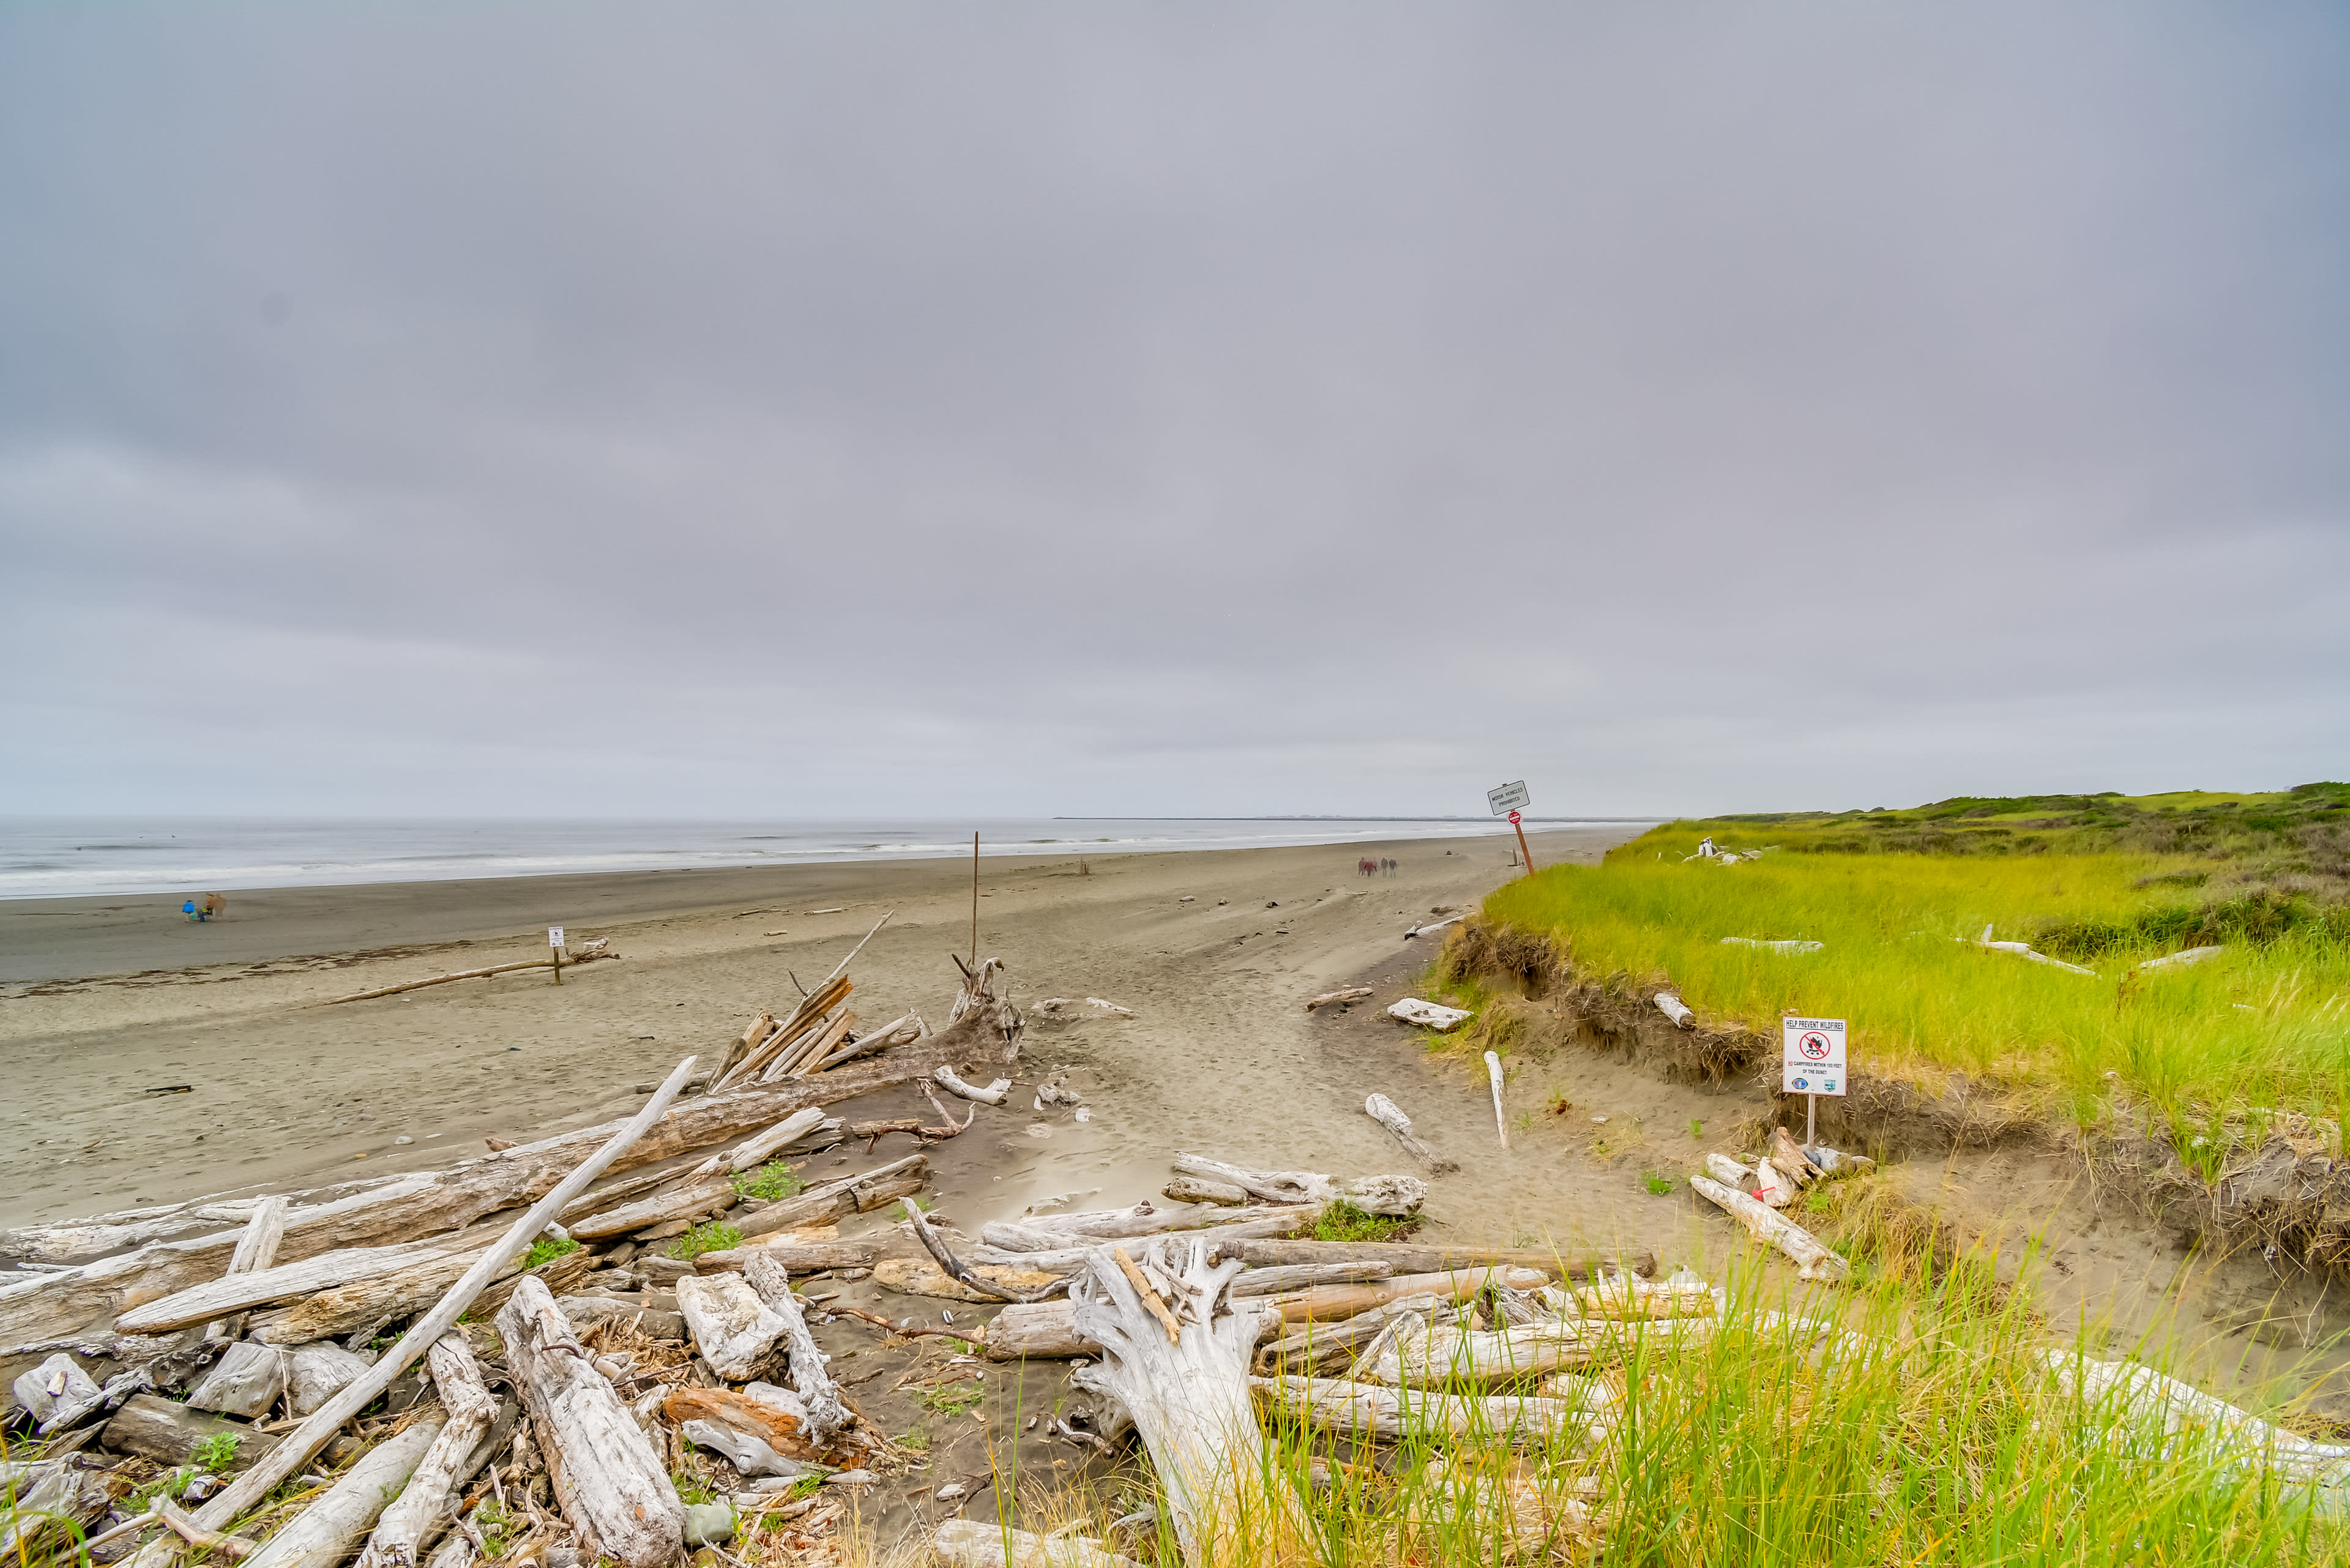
(554, 941)
(1812, 1064)
(1510, 799)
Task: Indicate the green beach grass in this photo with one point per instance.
(1941, 1428)
(1896, 897)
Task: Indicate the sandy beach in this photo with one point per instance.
(1214, 952)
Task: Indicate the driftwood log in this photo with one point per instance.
(835, 1200)
(995, 1093)
(240, 1496)
(1410, 1259)
(1187, 1390)
(575, 958)
(610, 1484)
(1393, 1195)
(411, 1525)
(1389, 1115)
(1067, 1254)
(1816, 1261)
(731, 1324)
(255, 1249)
(169, 1433)
(1674, 1008)
(1329, 998)
(1323, 1303)
(799, 1257)
(1283, 1277)
(1366, 1411)
(324, 1534)
(825, 1413)
(52, 1306)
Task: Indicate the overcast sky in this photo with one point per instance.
(840, 409)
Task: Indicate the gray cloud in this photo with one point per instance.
(823, 409)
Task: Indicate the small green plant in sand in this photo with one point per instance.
(1697, 1128)
(951, 1398)
(1342, 1221)
(770, 1182)
(215, 1453)
(710, 1236)
(1658, 1186)
(693, 1484)
(546, 1249)
(496, 1526)
(916, 1441)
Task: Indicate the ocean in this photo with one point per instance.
(49, 857)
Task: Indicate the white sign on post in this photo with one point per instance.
(1510, 797)
(555, 936)
(1812, 1059)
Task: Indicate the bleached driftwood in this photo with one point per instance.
(790, 1037)
(971, 1543)
(936, 1246)
(1395, 1195)
(610, 1484)
(245, 1381)
(1057, 1253)
(324, 1534)
(255, 1249)
(689, 1202)
(1411, 1258)
(1324, 1303)
(731, 1324)
(798, 1257)
(1193, 1189)
(995, 1093)
(1419, 930)
(2025, 950)
(1428, 1014)
(296, 1449)
(1189, 1397)
(1493, 1078)
(427, 1504)
(825, 1413)
(345, 1309)
(1674, 1008)
(1330, 998)
(1790, 1158)
(1300, 1276)
(1635, 1299)
(583, 956)
(2182, 959)
(2144, 1399)
(286, 1281)
(317, 1373)
(757, 1149)
(1777, 947)
(835, 1200)
(1432, 1354)
(1044, 1331)
(428, 1203)
(1367, 1410)
(1389, 1115)
(1817, 1262)
(1144, 1219)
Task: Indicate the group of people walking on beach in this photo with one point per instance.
(1382, 866)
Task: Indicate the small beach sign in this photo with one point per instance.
(1812, 1062)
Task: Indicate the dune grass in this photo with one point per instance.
(1937, 1428)
(2263, 1025)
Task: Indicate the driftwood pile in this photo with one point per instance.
(498, 1360)
(1198, 1323)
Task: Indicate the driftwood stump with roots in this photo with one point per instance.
(1177, 1358)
